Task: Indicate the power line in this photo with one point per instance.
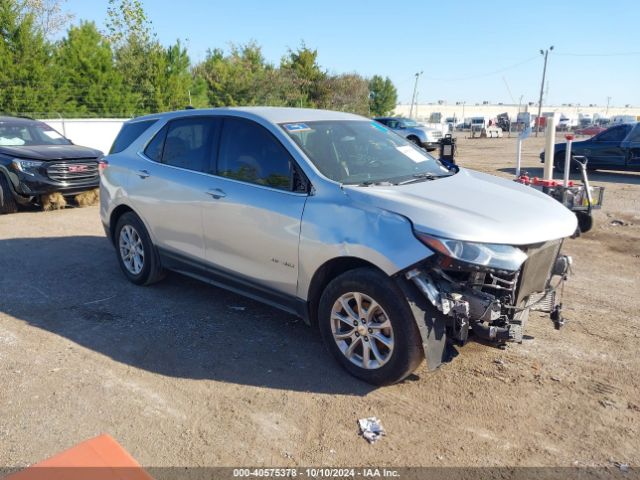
(617, 54)
(487, 74)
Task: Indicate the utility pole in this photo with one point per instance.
(544, 73)
(414, 97)
(606, 113)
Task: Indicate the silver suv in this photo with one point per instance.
(425, 137)
(333, 217)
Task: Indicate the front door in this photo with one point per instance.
(632, 147)
(252, 219)
(605, 150)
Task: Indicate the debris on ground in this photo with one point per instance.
(607, 403)
(624, 467)
(371, 429)
(618, 223)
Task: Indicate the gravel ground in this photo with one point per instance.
(182, 373)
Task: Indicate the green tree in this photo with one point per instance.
(87, 82)
(158, 78)
(302, 76)
(346, 92)
(240, 78)
(25, 56)
(383, 96)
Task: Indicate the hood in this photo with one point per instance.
(49, 152)
(474, 206)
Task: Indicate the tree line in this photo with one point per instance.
(125, 71)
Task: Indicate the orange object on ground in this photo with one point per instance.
(100, 458)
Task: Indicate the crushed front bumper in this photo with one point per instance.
(492, 304)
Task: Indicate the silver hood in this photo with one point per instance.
(473, 206)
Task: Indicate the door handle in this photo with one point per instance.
(143, 174)
(216, 193)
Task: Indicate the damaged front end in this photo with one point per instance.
(485, 289)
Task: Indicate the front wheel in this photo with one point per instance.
(7, 202)
(367, 325)
(415, 140)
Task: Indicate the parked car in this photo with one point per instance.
(36, 160)
(617, 147)
(425, 137)
(335, 218)
(591, 130)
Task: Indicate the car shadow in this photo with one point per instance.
(598, 176)
(180, 327)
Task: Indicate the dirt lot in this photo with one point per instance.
(182, 373)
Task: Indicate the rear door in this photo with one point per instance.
(605, 150)
(252, 217)
(171, 182)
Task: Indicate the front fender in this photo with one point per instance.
(333, 229)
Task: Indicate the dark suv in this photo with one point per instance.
(36, 160)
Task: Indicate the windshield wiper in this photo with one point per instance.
(418, 177)
(368, 183)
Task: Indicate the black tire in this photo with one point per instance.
(558, 162)
(7, 202)
(415, 140)
(585, 221)
(151, 271)
(407, 352)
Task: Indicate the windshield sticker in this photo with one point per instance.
(378, 126)
(296, 127)
(52, 134)
(412, 153)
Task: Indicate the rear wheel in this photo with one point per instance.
(7, 202)
(137, 256)
(367, 325)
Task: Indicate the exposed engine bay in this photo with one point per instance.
(493, 303)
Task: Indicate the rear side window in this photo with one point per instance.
(129, 133)
(189, 142)
(250, 153)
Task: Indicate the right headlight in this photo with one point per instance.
(491, 255)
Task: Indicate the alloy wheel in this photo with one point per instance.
(362, 330)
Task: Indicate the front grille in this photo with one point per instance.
(73, 172)
(437, 134)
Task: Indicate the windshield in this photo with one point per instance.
(362, 152)
(16, 134)
(409, 123)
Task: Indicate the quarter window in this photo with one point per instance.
(250, 153)
(189, 144)
(155, 147)
(129, 133)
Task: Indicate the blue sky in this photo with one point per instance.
(468, 50)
